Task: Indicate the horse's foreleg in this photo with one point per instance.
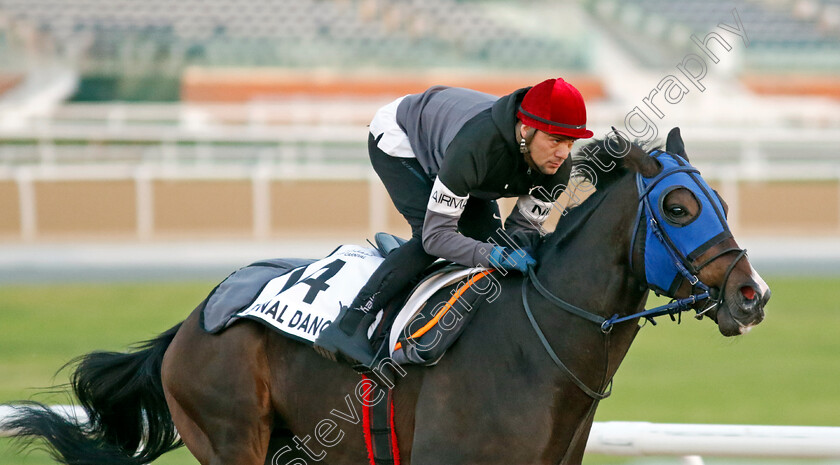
(217, 389)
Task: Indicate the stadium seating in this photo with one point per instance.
(402, 33)
(782, 35)
(291, 33)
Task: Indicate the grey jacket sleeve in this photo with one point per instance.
(440, 230)
(442, 239)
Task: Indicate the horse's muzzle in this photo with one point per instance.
(743, 308)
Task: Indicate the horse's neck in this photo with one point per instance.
(595, 258)
(592, 272)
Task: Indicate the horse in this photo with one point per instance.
(521, 385)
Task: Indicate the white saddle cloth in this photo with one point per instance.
(304, 301)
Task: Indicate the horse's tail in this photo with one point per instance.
(122, 394)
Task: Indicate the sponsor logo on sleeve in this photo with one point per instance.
(445, 202)
(536, 211)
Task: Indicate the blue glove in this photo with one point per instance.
(510, 259)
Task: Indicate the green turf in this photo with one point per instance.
(42, 327)
(786, 372)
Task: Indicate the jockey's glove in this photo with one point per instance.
(511, 259)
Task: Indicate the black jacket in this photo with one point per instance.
(468, 142)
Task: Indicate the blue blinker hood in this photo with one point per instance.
(671, 248)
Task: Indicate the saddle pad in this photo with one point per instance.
(303, 302)
(237, 291)
(405, 327)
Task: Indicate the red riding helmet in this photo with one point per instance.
(556, 107)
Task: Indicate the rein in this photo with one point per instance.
(572, 309)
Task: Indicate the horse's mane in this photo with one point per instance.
(602, 161)
(591, 161)
(598, 166)
(573, 219)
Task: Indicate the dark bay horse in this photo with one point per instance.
(501, 395)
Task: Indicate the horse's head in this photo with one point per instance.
(681, 243)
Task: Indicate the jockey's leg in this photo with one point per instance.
(409, 189)
(400, 267)
(347, 336)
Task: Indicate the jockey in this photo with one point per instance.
(445, 156)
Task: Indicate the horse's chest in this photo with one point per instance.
(482, 421)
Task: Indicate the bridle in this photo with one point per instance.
(684, 268)
(683, 262)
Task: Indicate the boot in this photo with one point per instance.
(347, 338)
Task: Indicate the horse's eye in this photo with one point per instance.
(679, 206)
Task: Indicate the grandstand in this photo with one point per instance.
(123, 99)
(791, 47)
(287, 33)
(783, 35)
(130, 35)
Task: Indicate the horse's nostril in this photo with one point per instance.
(748, 292)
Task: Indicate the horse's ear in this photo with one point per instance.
(674, 143)
(639, 161)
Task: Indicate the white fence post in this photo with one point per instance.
(261, 201)
(27, 204)
(377, 204)
(144, 203)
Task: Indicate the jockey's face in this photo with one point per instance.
(547, 151)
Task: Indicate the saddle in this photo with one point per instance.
(300, 297)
